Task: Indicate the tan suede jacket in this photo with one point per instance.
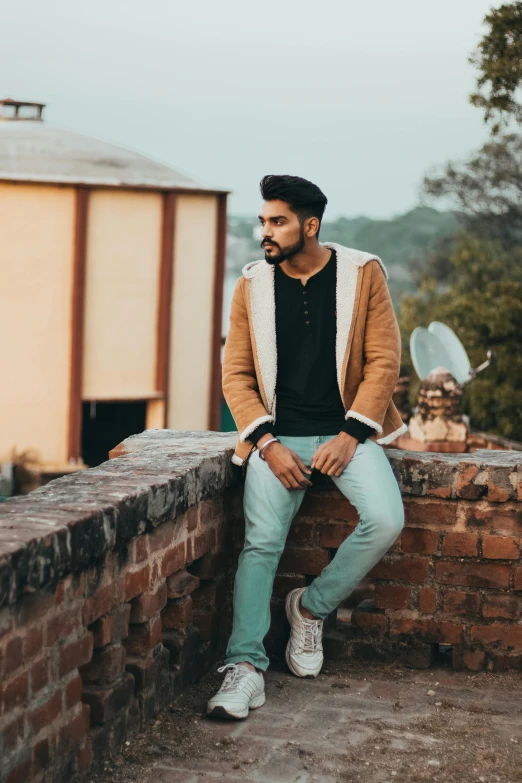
(368, 348)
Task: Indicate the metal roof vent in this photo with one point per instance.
(20, 111)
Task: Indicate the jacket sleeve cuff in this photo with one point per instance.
(258, 433)
(253, 426)
(364, 419)
(357, 429)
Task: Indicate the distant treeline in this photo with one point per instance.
(402, 242)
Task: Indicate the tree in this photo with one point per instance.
(486, 190)
(483, 305)
(499, 61)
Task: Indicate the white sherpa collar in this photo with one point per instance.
(260, 276)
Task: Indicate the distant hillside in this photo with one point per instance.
(399, 241)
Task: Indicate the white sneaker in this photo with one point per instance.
(304, 651)
(242, 690)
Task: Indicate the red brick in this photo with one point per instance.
(301, 532)
(466, 488)
(162, 537)
(12, 655)
(210, 510)
(332, 534)
(85, 755)
(392, 596)
(283, 583)
(460, 544)
(75, 654)
(75, 729)
(14, 691)
(20, 774)
(310, 560)
(177, 613)
(459, 602)
(506, 663)
(143, 637)
(206, 621)
(43, 716)
(427, 600)
(181, 583)
(493, 519)
(139, 550)
(420, 541)
(136, 582)
(39, 674)
(370, 621)
(32, 643)
(518, 578)
(402, 569)
(102, 602)
(204, 543)
(73, 692)
(189, 551)
(326, 505)
(427, 630)
(210, 595)
(429, 512)
(504, 606)
(63, 625)
(209, 566)
(112, 627)
(11, 734)
(500, 548)
(172, 560)
(106, 666)
(192, 518)
(105, 703)
(504, 635)
(148, 604)
(473, 660)
(41, 757)
(472, 574)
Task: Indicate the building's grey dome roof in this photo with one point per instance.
(36, 152)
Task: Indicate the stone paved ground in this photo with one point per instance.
(364, 724)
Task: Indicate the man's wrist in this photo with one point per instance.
(264, 438)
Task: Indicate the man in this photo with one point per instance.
(311, 361)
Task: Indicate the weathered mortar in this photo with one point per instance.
(116, 585)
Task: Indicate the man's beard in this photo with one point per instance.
(287, 252)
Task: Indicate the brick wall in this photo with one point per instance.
(115, 586)
(110, 581)
(450, 585)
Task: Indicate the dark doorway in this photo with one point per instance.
(105, 424)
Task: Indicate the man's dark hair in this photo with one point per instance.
(303, 197)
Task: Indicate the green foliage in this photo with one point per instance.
(486, 190)
(499, 61)
(483, 305)
(402, 242)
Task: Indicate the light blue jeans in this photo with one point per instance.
(370, 486)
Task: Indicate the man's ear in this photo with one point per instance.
(312, 226)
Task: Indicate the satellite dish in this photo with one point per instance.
(454, 349)
(439, 346)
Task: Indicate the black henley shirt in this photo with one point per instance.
(308, 400)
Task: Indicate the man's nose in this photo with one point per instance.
(266, 232)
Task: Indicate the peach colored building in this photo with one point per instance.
(111, 278)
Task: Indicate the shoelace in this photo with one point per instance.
(233, 676)
(310, 636)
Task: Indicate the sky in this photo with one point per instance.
(363, 98)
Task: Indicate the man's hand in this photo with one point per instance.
(285, 464)
(332, 457)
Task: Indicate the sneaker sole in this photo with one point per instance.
(288, 611)
(224, 714)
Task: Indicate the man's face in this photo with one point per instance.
(281, 231)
